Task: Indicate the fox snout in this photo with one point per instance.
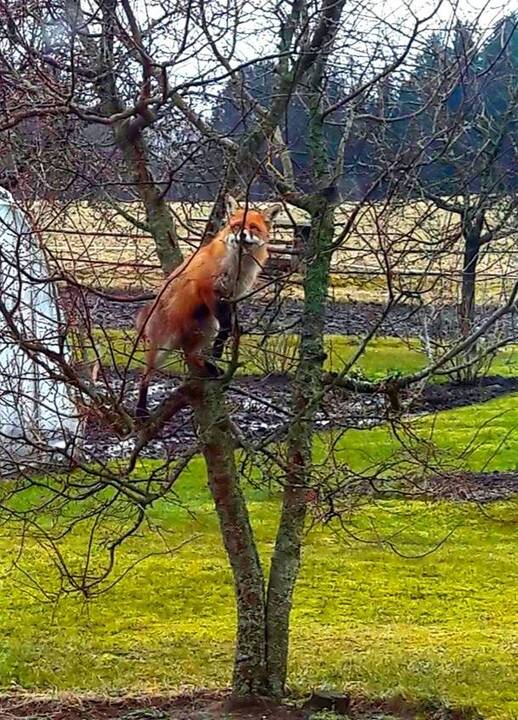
(245, 237)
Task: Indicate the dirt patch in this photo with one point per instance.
(472, 487)
(260, 406)
(342, 318)
(209, 706)
(152, 707)
(203, 706)
(446, 396)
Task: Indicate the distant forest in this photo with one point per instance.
(462, 103)
(457, 99)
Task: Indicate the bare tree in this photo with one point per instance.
(470, 113)
(109, 64)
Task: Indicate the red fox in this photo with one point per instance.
(192, 304)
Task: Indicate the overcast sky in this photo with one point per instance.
(257, 37)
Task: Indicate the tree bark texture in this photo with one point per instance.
(468, 289)
(286, 558)
(158, 215)
(214, 427)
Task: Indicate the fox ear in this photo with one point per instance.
(271, 213)
(231, 205)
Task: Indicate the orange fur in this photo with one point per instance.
(183, 316)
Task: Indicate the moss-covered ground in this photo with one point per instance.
(442, 625)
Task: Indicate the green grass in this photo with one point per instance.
(506, 362)
(383, 356)
(437, 627)
(477, 437)
(440, 626)
(277, 354)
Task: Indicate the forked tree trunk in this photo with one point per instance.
(285, 564)
(218, 450)
(261, 658)
(260, 666)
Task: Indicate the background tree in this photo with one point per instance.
(461, 103)
(119, 77)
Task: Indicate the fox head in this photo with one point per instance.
(250, 228)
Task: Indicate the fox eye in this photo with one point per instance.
(254, 227)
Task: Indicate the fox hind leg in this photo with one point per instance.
(197, 344)
(154, 360)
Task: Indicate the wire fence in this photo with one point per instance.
(110, 257)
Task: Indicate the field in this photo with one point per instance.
(441, 626)
(100, 246)
(409, 600)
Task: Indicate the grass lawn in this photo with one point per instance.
(384, 355)
(441, 626)
(481, 438)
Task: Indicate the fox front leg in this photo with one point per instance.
(226, 316)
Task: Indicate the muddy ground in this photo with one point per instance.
(214, 706)
(344, 318)
(260, 406)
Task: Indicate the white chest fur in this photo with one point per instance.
(250, 268)
(239, 270)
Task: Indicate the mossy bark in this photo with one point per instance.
(307, 385)
(286, 558)
(223, 480)
(160, 220)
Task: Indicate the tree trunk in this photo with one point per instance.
(159, 218)
(285, 564)
(469, 274)
(218, 450)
